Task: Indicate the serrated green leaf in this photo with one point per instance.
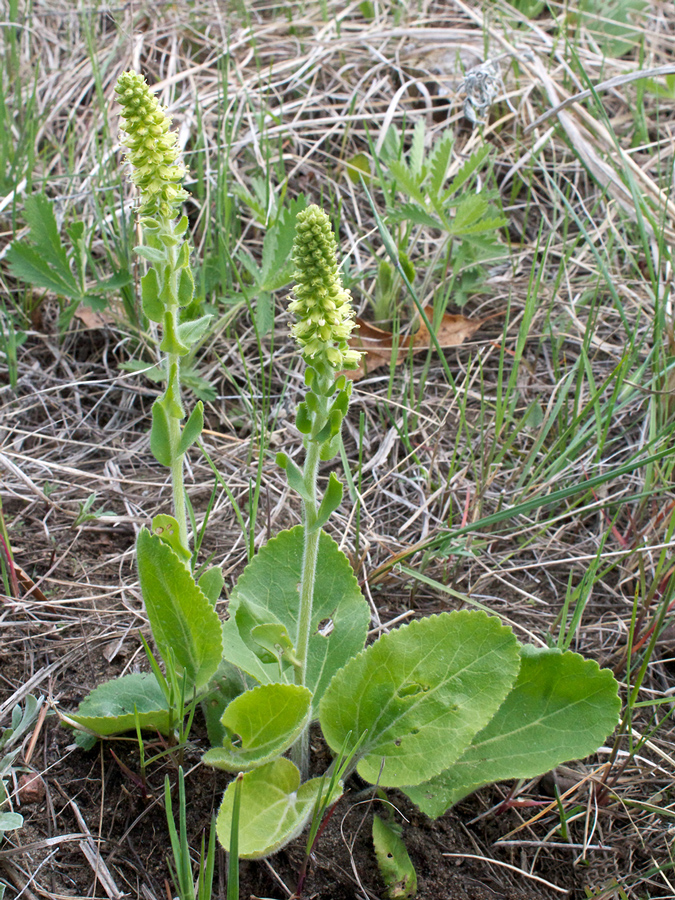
(396, 868)
(261, 724)
(420, 694)
(439, 162)
(109, 708)
(267, 592)
(193, 428)
(44, 232)
(469, 210)
(183, 621)
(27, 264)
(479, 227)
(473, 163)
(405, 180)
(562, 707)
(410, 212)
(277, 808)
(264, 313)
(416, 153)
(200, 387)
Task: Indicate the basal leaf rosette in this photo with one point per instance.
(322, 306)
(152, 147)
(419, 694)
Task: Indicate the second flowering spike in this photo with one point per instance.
(322, 306)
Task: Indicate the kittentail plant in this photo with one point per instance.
(184, 623)
(168, 284)
(435, 708)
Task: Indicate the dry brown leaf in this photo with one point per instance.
(95, 318)
(377, 345)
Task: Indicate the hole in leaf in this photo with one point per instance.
(398, 742)
(412, 689)
(325, 627)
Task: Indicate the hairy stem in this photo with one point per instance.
(309, 557)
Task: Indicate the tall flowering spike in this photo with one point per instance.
(322, 306)
(152, 147)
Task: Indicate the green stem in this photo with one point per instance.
(172, 359)
(309, 557)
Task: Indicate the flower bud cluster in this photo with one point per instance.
(152, 147)
(323, 309)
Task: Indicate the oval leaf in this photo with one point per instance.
(183, 621)
(267, 593)
(261, 724)
(109, 708)
(562, 707)
(420, 694)
(276, 808)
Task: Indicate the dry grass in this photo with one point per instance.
(304, 92)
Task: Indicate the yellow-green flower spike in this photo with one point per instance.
(152, 148)
(323, 308)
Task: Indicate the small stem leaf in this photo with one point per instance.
(330, 502)
(154, 256)
(183, 620)
(267, 592)
(275, 641)
(160, 440)
(420, 694)
(167, 529)
(171, 399)
(277, 808)
(111, 708)
(330, 449)
(561, 707)
(193, 429)
(238, 653)
(303, 419)
(181, 226)
(186, 286)
(190, 332)
(183, 257)
(150, 291)
(294, 475)
(261, 724)
(171, 342)
(396, 868)
(211, 584)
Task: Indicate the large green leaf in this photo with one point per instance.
(420, 694)
(275, 807)
(261, 724)
(267, 593)
(109, 708)
(183, 621)
(562, 707)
